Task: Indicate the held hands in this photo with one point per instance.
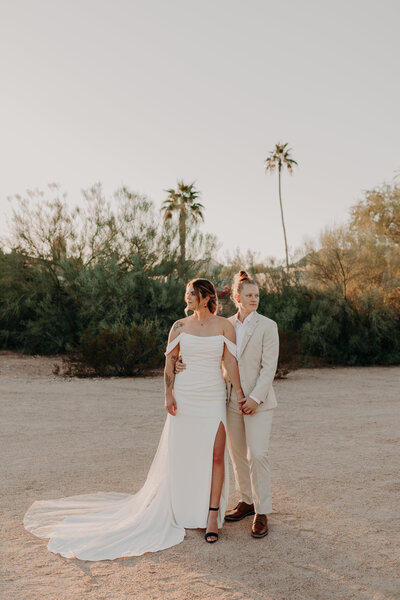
(247, 406)
(170, 405)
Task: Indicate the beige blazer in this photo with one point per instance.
(258, 360)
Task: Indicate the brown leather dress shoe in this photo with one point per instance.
(240, 511)
(260, 526)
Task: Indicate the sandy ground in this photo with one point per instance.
(335, 530)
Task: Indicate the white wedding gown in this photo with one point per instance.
(176, 494)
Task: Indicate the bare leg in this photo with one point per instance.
(218, 474)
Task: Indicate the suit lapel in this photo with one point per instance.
(249, 332)
(229, 385)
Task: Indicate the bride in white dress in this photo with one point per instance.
(189, 473)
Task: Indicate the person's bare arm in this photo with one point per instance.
(169, 370)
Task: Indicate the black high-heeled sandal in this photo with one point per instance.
(211, 533)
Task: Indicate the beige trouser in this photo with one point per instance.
(248, 440)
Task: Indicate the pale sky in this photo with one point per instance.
(142, 93)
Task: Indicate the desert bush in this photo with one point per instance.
(81, 278)
(40, 314)
(315, 324)
(117, 351)
(108, 295)
(37, 315)
(346, 334)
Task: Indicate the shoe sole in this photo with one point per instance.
(233, 519)
(258, 536)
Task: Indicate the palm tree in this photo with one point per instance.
(183, 201)
(280, 157)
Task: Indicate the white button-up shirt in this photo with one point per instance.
(240, 333)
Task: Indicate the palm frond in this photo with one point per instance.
(183, 201)
(280, 156)
(167, 215)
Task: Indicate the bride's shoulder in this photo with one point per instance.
(177, 328)
(228, 328)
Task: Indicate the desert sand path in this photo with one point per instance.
(335, 530)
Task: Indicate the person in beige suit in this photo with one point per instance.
(249, 420)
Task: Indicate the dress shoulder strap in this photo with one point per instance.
(230, 345)
(172, 344)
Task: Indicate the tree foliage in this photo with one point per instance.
(183, 201)
(102, 282)
(362, 257)
(103, 265)
(378, 215)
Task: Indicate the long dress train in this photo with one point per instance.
(108, 525)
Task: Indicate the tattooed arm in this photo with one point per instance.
(169, 370)
(169, 376)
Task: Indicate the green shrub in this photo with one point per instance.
(324, 325)
(44, 310)
(108, 296)
(48, 308)
(37, 314)
(118, 351)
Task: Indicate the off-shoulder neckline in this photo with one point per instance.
(202, 336)
(176, 340)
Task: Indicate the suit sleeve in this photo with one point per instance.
(269, 361)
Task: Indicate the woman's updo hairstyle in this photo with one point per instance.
(203, 288)
(239, 280)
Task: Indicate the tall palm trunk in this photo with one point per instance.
(182, 241)
(283, 221)
(280, 157)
